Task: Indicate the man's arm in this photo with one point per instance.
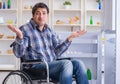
(60, 48)
(76, 34)
(20, 43)
(16, 30)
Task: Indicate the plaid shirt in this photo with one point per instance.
(38, 44)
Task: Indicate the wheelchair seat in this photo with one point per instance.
(33, 73)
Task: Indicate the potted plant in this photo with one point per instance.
(98, 1)
(67, 4)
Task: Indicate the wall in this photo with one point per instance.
(117, 41)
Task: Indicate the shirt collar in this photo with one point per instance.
(36, 26)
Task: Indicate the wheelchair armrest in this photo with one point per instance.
(32, 62)
(64, 58)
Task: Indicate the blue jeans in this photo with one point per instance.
(63, 70)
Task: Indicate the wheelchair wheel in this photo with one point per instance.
(17, 77)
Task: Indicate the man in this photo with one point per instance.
(35, 40)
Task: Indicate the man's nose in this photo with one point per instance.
(41, 15)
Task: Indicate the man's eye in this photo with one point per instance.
(37, 13)
(44, 13)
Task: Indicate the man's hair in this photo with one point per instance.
(39, 5)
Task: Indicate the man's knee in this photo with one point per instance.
(67, 65)
(79, 63)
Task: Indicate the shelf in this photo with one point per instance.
(93, 10)
(27, 10)
(89, 33)
(85, 41)
(6, 54)
(79, 55)
(7, 67)
(83, 47)
(93, 25)
(3, 39)
(89, 37)
(66, 24)
(93, 81)
(11, 16)
(67, 10)
(8, 24)
(10, 10)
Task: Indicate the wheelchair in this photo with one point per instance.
(28, 76)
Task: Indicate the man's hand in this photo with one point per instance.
(76, 34)
(16, 30)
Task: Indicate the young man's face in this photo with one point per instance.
(40, 16)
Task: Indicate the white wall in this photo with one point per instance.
(118, 42)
